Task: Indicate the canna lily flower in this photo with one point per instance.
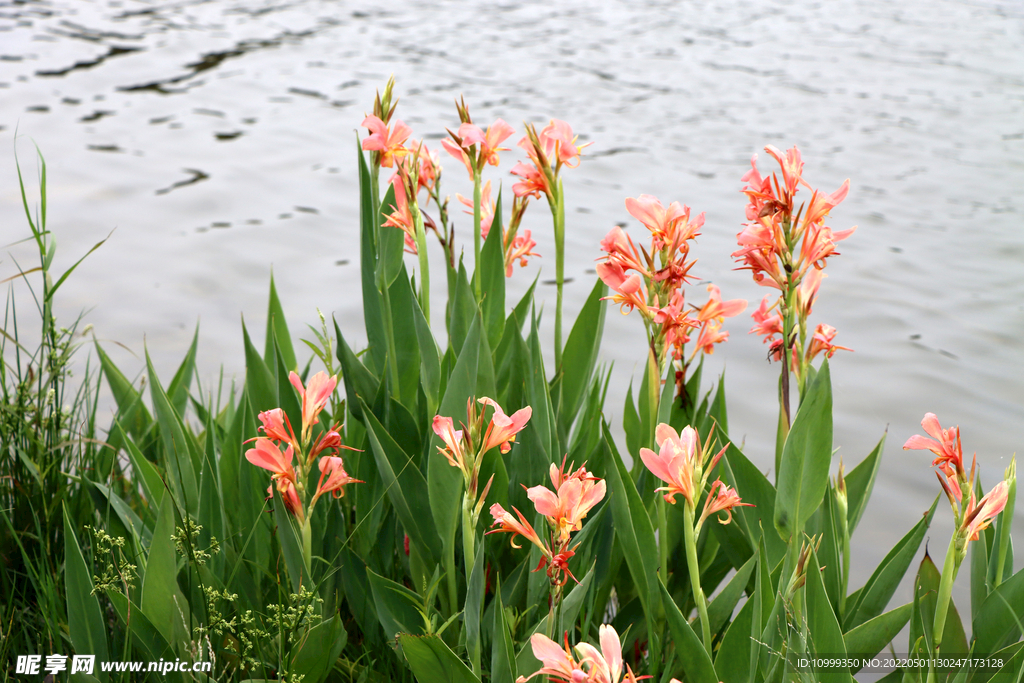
(533, 183)
(822, 342)
(459, 153)
(502, 430)
(671, 226)
(521, 247)
(389, 144)
(710, 334)
(680, 462)
(593, 666)
(556, 662)
(723, 501)
(401, 216)
(978, 516)
(276, 426)
(822, 203)
(768, 324)
(716, 309)
(267, 455)
(945, 444)
(560, 144)
(792, 169)
(807, 291)
(334, 469)
(497, 133)
(453, 451)
(621, 250)
(289, 496)
(519, 527)
(314, 396)
(576, 495)
(629, 289)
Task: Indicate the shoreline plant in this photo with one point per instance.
(191, 557)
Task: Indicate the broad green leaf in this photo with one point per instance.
(360, 383)
(406, 488)
(131, 522)
(980, 584)
(433, 662)
(277, 331)
(826, 638)
(1012, 670)
(869, 638)
(146, 474)
(803, 475)
(632, 426)
(392, 239)
(463, 312)
(732, 662)
(177, 390)
(633, 529)
(503, 654)
(875, 594)
(397, 606)
(131, 411)
(543, 418)
(86, 625)
(927, 581)
(430, 362)
(373, 306)
(260, 382)
(580, 355)
(358, 595)
(407, 352)
(314, 654)
(177, 451)
(162, 600)
(573, 603)
(999, 619)
(860, 482)
(492, 275)
(520, 313)
(291, 544)
(694, 661)
(474, 606)
(722, 606)
(144, 634)
(753, 487)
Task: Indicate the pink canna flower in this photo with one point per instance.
(459, 153)
(769, 322)
(401, 217)
(807, 291)
(516, 527)
(314, 396)
(710, 335)
(716, 309)
(593, 666)
(722, 501)
(679, 463)
(488, 141)
(792, 168)
(621, 250)
(945, 444)
(821, 203)
(521, 247)
(268, 455)
(671, 226)
(389, 143)
(556, 662)
(337, 478)
(978, 516)
(290, 497)
(822, 342)
(502, 430)
(452, 438)
(560, 143)
(533, 183)
(576, 495)
(276, 426)
(630, 291)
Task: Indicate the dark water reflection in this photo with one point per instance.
(228, 131)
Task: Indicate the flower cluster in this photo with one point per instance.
(683, 463)
(551, 149)
(971, 516)
(786, 247)
(651, 282)
(465, 448)
(288, 475)
(587, 664)
(564, 508)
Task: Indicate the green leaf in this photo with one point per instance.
(875, 595)
(392, 239)
(144, 634)
(430, 361)
(85, 619)
(580, 355)
(145, 472)
(177, 451)
(753, 487)
(633, 529)
(722, 606)
(999, 619)
(177, 390)
(373, 306)
(464, 308)
(432, 661)
(131, 411)
(360, 383)
(474, 606)
(260, 382)
(407, 489)
(313, 656)
(503, 654)
(927, 581)
(492, 275)
(397, 606)
(407, 352)
(860, 482)
(803, 475)
(694, 661)
(162, 600)
(732, 663)
(869, 638)
(825, 635)
(277, 331)
(979, 572)
(631, 424)
(291, 545)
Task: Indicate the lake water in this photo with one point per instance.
(217, 140)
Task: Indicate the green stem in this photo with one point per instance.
(449, 570)
(693, 567)
(421, 252)
(468, 535)
(558, 213)
(846, 571)
(307, 547)
(477, 279)
(663, 537)
(949, 570)
(653, 393)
